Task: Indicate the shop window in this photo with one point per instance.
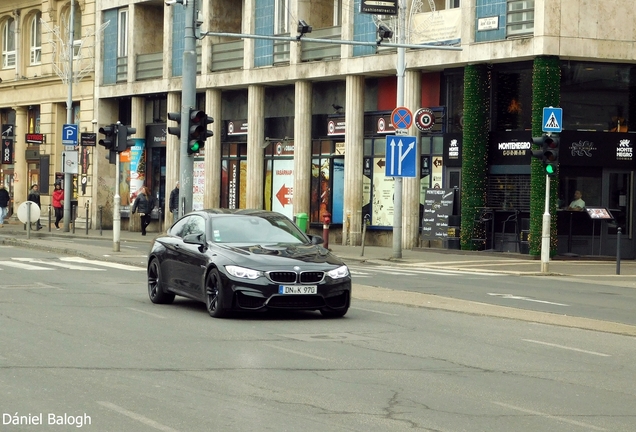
(513, 98)
(8, 44)
(520, 17)
(509, 192)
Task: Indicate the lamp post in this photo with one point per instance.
(397, 188)
(68, 177)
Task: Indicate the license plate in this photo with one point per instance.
(297, 289)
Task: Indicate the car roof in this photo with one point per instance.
(244, 212)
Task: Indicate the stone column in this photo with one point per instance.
(20, 169)
(302, 147)
(354, 143)
(255, 139)
(212, 193)
(411, 186)
(172, 155)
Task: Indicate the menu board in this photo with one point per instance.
(438, 205)
(598, 213)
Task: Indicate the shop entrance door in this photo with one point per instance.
(618, 197)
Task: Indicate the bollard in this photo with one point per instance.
(73, 210)
(28, 224)
(49, 217)
(101, 209)
(367, 221)
(326, 220)
(86, 205)
(618, 251)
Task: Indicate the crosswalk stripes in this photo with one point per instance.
(369, 271)
(68, 263)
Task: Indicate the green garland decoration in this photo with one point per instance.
(546, 89)
(474, 153)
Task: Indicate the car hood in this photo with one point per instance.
(279, 254)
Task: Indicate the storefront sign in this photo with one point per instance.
(236, 127)
(156, 135)
(7, 150)
(606, 149)
(510, 148)
(336, 126)
(379, 7)
(33, 138)
(453, 150)
(88, 139)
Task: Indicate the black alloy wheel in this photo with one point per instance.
(214, 295)
(155, 289)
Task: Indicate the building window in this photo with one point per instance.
(520, 17)
(36, 39)
(122, 37)
(8, 44)
(281, 14)
(452, 4)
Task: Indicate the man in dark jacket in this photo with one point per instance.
(144, 203)
(174, 202)
(34, 196)
(4, 203)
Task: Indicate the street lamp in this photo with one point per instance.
(303, 28)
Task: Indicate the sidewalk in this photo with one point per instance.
(133, 249)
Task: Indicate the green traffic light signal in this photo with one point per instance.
(550, 170)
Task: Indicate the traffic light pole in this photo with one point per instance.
(545, 230)
(117, 209)
(397, 188)
(188, 100)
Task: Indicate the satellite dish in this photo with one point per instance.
(28, 212)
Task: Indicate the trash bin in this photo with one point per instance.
(301, 221)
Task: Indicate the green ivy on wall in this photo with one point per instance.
(546, 88)
(474, 152)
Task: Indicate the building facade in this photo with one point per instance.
(301, 127)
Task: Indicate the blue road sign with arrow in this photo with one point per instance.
(400, 156)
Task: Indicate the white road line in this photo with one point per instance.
(515, 297)
(147, 313)
(297, 352)
(58, 264)
(549, 416)
(23, 266)
(567, 348)
(103, 263)
(374, 311)
(410, 272)
(138, 417)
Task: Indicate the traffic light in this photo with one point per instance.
(175, 130)
(199, 132)
(123, 134)
(548, 152)
(110, 132)
(551, 154)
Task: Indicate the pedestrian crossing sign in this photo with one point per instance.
(552, 119)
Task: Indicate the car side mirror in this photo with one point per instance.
(196, 239)
(316, 239)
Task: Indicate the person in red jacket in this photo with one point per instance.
(58, 204)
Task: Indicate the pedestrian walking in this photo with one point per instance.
(58, 204)
(5, 198)
(144, 203)
(174, 202)
(34, 196)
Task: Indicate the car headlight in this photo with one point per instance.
(242, 272)
(339, 273)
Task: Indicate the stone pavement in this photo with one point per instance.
(133, 246)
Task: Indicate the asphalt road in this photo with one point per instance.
(79, 338)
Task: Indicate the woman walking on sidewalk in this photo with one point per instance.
(144, 203)
(58, 204)
(5, 198)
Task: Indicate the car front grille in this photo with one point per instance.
(293, 277)
(296, 301)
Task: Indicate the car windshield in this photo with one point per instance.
(255, 230)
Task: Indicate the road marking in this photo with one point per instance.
(297, 352)
(375, 311)
(58, 264)
(103, 263)
(147, 313)
(400, 271)
(23, 266)
(549, 416)
(515, 297)
(567, 348)
(138, 417)
(38, 285)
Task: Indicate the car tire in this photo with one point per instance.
(214, 295)
(155, 285)
(331, 313)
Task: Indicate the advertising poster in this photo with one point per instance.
(137, 169)
(382, 193)
(320, 193)
(338, 191)
(198, 184)
(283, 187)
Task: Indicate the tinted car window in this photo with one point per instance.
(177, 228)
(253, 229)
(194, 225)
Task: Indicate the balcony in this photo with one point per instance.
(312, 51)
(227, 55)
(149, 66)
